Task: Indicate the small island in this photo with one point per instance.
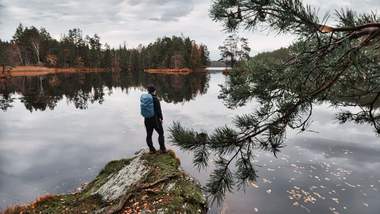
(179, 71)
(175, 55)
(145, 183)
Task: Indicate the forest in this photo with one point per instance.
(32, 46)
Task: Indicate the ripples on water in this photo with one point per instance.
(58, 131)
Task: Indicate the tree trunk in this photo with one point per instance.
(19, 54)
(36, 47)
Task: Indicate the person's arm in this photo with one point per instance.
(157, 109)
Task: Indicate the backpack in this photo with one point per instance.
(147, 106)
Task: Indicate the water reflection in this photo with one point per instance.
(44, 92)
(55, 151)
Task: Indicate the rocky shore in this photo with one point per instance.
(145, 183)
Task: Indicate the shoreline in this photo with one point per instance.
(20, 71)
(179, 71)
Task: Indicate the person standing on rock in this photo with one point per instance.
(152, 113)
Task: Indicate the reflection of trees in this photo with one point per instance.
(6, 102)
(41, 93)
(176, 88)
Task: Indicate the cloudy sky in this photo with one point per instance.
(142, 21)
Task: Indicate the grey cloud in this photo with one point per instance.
(78, 11)
(142, 21)
(159, 10)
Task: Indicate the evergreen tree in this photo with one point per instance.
(234, 50)
(326, 62)
(31, 46)
(204, 55)
(3, 53)
(106, 61)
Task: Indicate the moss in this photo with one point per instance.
(71, 203)
(161, 164)
(185, 196)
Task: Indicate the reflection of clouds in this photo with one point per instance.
(57, 150)
(325, 124)
(355, 153)
(317, 175)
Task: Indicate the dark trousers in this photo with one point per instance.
(154, 124)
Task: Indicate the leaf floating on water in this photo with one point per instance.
(319, 195)
(269, 191)
(296, 204)
(253, 184)
(365, 204)
(256, 210)
(266, 181)
(350, 185)
(313, 188)
(309, 199)
(336, 200)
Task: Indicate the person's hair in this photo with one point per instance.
(151, 89)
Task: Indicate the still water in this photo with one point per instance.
(57, 132)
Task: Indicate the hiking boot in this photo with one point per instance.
(152, 151)
(163, 151)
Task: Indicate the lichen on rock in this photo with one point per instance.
(145, 183)
(118, 183)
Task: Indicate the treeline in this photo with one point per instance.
(175, 52)
(32, 46)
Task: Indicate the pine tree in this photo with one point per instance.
(234, 50)
(326, 62)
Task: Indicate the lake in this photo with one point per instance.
(58, 131)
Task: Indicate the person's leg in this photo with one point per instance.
(149, 126)
(161, 138)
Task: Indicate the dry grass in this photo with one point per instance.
(19, 209)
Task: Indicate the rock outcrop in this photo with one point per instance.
(145, 183)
